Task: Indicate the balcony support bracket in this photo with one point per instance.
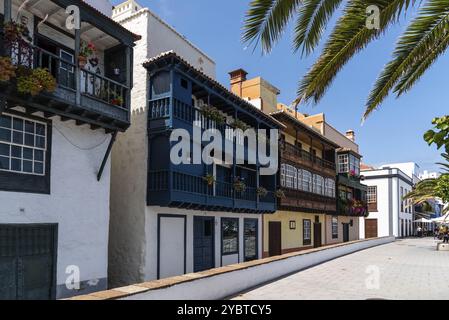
(106, 156)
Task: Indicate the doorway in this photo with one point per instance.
(370, 228)
(345, 232)
(203, 243)
(274, 238)
(28, 262)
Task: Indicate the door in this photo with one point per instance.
(370, 228)
(317, 235)
(345, 232)
(250, 240)
(171, 245)
(27, 262)
(274, 238)
(203, 243)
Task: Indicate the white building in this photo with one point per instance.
(389, 215)
(429, 175)
(151, 235)
(54, 167)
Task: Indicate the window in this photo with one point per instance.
(372, 194)
(334, 228)
(291, 179)
(402, 199)
(330, 188)
(22, 145)
(307, 231)
(283, 175)
(161, 83)
(318, 184)
(300, 187)
(230, 236)
(306, 181)
(250, 241)
(184, 83)
(343, 163)
(347, 163)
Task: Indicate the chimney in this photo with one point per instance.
(350, 134)
(237, 78)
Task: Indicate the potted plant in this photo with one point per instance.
(261, 192)
(86, 50)
(13, 31)
(212, 113)
(7, 69)
(210, 179)
(280, 194)
(34, 81)
(117, 101)
(238, 124)
(239, 185)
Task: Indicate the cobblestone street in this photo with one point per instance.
(405, 269)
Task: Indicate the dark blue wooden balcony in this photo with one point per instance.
(180, 190)
(174, 86)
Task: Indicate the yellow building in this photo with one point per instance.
(307, 173)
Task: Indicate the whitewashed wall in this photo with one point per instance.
(150, 269)
(104, 6)
(78, 203)
(228, 284)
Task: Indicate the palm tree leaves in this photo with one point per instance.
(349, 36)
(311, 23)
(423, 41)
(266, 21)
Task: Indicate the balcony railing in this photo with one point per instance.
(300, 200)
(159, 181)
(296, 154)
(88, 84)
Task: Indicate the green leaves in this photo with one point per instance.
(266, 20)
(425, 39)
(349, 36)
(440, 137)
(313, 16)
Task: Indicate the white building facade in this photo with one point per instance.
(54, 158)
(149, 241)
(389, 214)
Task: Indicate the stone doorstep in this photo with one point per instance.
(126, 291)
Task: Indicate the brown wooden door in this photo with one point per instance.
(370, 228)
(274, 239)
(317, 235)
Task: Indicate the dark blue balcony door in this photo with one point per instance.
(203, 243)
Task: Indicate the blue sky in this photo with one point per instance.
(392, 134)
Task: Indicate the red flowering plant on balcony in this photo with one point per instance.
(86, 50)
(358, 208)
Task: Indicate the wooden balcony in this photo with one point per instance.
(179, 190)
(306, 160)
(80, 94)
(297, 200)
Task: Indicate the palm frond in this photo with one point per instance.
(313, 16)
(266, 20)
(349, 36)
(423, 34)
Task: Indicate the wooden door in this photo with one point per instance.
(345, 232)
(203, 243)
(274, 238)
(370, 228)
(317, 235)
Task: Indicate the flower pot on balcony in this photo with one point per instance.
(82, 61)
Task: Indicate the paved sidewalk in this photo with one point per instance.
(405, 269)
